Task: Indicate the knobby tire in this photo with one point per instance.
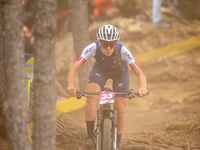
(106, 135)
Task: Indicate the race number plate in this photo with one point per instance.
(107, 97)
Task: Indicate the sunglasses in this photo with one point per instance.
(106, 44)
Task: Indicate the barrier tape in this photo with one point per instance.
(28, 85)
(64, 106)
(170, 50)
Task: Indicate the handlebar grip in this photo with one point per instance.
(138, 94)
(78, 92)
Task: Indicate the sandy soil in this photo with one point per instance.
(167, 119)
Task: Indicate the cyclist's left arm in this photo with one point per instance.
(126, 55)
(142, 79)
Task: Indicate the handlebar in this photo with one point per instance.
(128, 94)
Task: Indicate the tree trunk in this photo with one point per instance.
(15, 105)
(2, 78)
(79, 25)
(44, 119)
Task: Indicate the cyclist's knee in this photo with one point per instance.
(93, 87)
(120, 115)
(91, 101)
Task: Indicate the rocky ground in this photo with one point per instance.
(167, 119)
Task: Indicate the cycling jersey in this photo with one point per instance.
(106, 67)
(94, 50)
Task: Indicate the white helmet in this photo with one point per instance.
(108, 33)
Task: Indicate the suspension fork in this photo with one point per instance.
(114, 132)
(99, 119)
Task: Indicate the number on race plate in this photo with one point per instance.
(107, 97)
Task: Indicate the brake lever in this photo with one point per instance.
(135, 95)
(80, 94)
(132, 95)
(129, 91)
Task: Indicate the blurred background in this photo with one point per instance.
(164, 39)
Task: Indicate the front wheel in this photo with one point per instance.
(106, 135)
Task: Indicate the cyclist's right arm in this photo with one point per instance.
(71, 90)
(89, 51)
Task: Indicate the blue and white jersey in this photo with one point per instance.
(94, 50)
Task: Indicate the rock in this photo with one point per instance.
(190, 9)
(125, 22)
(132, 7)
(113, 12)
(136, 27)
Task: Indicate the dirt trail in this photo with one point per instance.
(167, 119)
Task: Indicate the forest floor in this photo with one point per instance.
(169, 117)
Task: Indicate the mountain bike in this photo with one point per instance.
(105, 134)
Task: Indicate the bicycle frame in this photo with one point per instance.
(107, 114)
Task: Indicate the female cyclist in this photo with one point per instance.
(111, 63)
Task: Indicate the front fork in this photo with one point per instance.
(114, 136)
(98, 144)
(114, 131)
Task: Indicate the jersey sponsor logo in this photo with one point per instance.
(114, 60)
(128, 55)
(87, 51)
(120, 84)
(133, 65)
(97, 74)
(81, 60)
